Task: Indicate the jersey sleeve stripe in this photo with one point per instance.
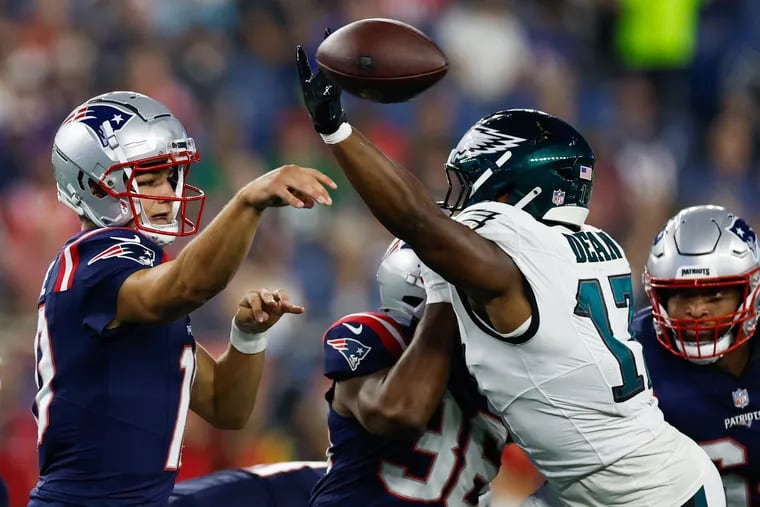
(392, 332)
(67, 267)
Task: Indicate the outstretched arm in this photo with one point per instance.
(400, 201)
(206, 265)
(398, 402)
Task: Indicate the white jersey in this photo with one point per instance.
(570, 384)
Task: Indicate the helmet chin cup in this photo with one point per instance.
(692, 353)
(167, 235)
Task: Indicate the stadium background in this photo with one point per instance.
(666, 92)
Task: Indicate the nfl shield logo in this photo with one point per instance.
(741, 398)
(558, 197)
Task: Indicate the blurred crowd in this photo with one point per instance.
(666, 92)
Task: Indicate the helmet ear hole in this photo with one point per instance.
(95, 189)
(412, 300)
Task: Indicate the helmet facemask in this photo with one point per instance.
(179, 157)
(702, 252)
(704, 340)
(459, 189)
(105, 144)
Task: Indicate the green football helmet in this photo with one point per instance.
(537, 161)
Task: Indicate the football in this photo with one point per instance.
(382, 60)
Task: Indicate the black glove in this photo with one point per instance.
(321, 95)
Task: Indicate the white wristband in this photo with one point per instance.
(247, 343)
(339, 135)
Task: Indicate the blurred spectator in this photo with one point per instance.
(486, 46)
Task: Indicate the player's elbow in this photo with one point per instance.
(414, 220)
(420, 228)
(187, 298)
(192, 288)
(194, 296)
(392, 420)
(232, 425)
(168, 302)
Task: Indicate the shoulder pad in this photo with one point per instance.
(95, 255)
(362, 343)
(119, 243)
(484, 214)
(497, 221)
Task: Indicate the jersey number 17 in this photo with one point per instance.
(591, 303)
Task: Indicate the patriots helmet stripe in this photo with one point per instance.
(745, 233)
(95, 115)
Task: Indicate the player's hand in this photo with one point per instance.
(260, 309)
(320, 94)
(289, 185)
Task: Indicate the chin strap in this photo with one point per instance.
(155, 235)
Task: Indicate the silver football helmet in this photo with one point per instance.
(704, 247)
(105, 143)
(402, 293)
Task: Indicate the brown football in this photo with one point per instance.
(382, 60)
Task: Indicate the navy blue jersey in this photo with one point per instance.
(111, 403)
(451, 464)
(717, 410)
(277, 485)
